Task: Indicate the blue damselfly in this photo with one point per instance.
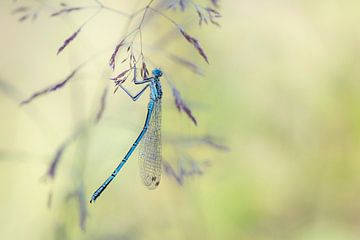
(149, 140)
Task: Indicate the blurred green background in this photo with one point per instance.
(281, 91)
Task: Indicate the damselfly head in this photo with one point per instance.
(157, 72)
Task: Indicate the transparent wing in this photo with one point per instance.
(150, 150)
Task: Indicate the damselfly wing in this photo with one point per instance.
(150, 150)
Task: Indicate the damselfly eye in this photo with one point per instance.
(157, 72)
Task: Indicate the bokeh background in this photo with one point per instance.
(281, 92)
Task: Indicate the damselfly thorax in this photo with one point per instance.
(155, 89)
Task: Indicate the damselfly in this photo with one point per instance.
(149, 138)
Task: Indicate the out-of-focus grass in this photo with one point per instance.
(282, 89)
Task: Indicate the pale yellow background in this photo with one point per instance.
(281, 91)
